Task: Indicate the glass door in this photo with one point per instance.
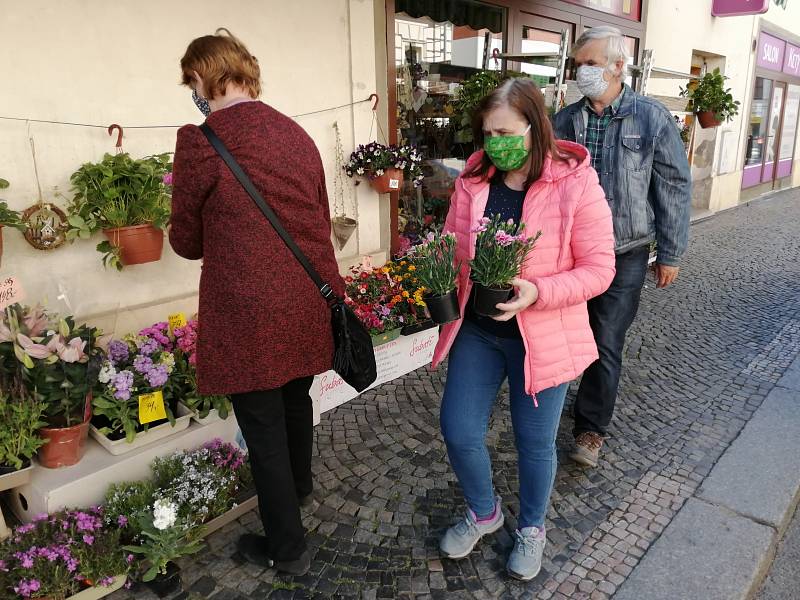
(543, 35)
(757, 133)
(788, 132)
(773, 127)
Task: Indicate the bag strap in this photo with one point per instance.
(325, 289)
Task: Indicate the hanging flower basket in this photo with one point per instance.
(343, 228)
(707, 119)
(390, 181)
(137, 244)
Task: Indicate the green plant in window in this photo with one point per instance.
(469, 96)
(709, 94)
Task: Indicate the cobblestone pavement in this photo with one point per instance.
(700, 359)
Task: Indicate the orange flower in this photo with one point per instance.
(412, 268)
(397, 299)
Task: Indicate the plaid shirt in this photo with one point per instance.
(596, 126)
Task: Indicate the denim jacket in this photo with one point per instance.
(645, 174)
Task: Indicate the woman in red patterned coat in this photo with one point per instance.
(264, 329)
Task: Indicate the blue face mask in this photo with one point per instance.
(201, 104)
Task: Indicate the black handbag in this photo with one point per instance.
(354, 356)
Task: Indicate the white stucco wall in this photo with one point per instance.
(94, 61)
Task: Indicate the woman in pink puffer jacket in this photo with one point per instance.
(542, 340)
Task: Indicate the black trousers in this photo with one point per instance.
(610, 316)
(278, 428)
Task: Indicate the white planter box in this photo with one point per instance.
(211, 417)
(117, 447)
(16, 478)
(233, 514)
(94, 593)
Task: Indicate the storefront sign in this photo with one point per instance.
(791, 61)
(735, 8)
(770, 52)
(627, 9)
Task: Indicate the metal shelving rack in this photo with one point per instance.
(557, 59)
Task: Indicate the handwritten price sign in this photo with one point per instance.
(151, 407)
(176, 320)
(10, 292)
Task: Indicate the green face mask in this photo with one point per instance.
(507, 152)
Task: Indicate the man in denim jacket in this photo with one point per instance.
(638, 154)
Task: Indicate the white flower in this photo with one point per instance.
(107, 373)
(164, 514)
(360, 170)
(379, 172)
(168, 359)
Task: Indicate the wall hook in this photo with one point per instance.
(111, 129)
(377, 99)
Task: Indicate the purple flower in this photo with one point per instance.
(157, 376)
(88, 539)
(148, 346)
(122, 384)
(504, 239)
(122, 521)
(143, 364)
(129, 558)
(167, 178)
(27, 528)
(3, 566)
(27, 587)
(106, 581)
(40, 517)
(118, 351)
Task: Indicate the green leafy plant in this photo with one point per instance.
(119, 191)
(469, 96)
(126, 503)
(500, 251)
(435, 263)
(709, 94)
(165, 537)
(8, 217)
(19, 435)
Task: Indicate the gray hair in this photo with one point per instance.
(616, 49)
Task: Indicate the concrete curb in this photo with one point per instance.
(722, 541)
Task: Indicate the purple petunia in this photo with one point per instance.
(122, 520)
(123, 381)
(27, 587)
(143, 364)
(157, 376)
(118, 351)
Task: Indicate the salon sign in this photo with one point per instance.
(736, 8)
(778, 55)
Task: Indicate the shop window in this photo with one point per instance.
(757, 132)
(438, 45)
(789, 131)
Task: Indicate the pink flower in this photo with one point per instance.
(504, 239)
(31, 348)
(167, 179)
(35, 321)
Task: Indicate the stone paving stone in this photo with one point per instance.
(700, 358)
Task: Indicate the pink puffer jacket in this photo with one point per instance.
(572, 262)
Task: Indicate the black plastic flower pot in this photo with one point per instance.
(443, 309)
(164, 585)
(487, 298)
(417, 327)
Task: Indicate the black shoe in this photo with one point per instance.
(253, 548)
(297, 567)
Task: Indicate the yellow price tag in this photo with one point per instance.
(151, 407)
(176, 320)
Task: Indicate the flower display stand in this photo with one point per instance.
(85, 483)
(393, 359)
(9, 481)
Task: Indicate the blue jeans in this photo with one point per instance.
(478, 365)
(610, 315)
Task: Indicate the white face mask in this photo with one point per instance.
(591, 82)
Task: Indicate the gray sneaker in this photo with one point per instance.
(461, 538)
(526, 557)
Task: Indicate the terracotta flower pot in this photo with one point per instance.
(707, 120)
(486, 299)
(138, 243)
(64, 446)
(390, 181)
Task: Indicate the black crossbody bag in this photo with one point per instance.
(354, 356)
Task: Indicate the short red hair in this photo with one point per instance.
(219, 59)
